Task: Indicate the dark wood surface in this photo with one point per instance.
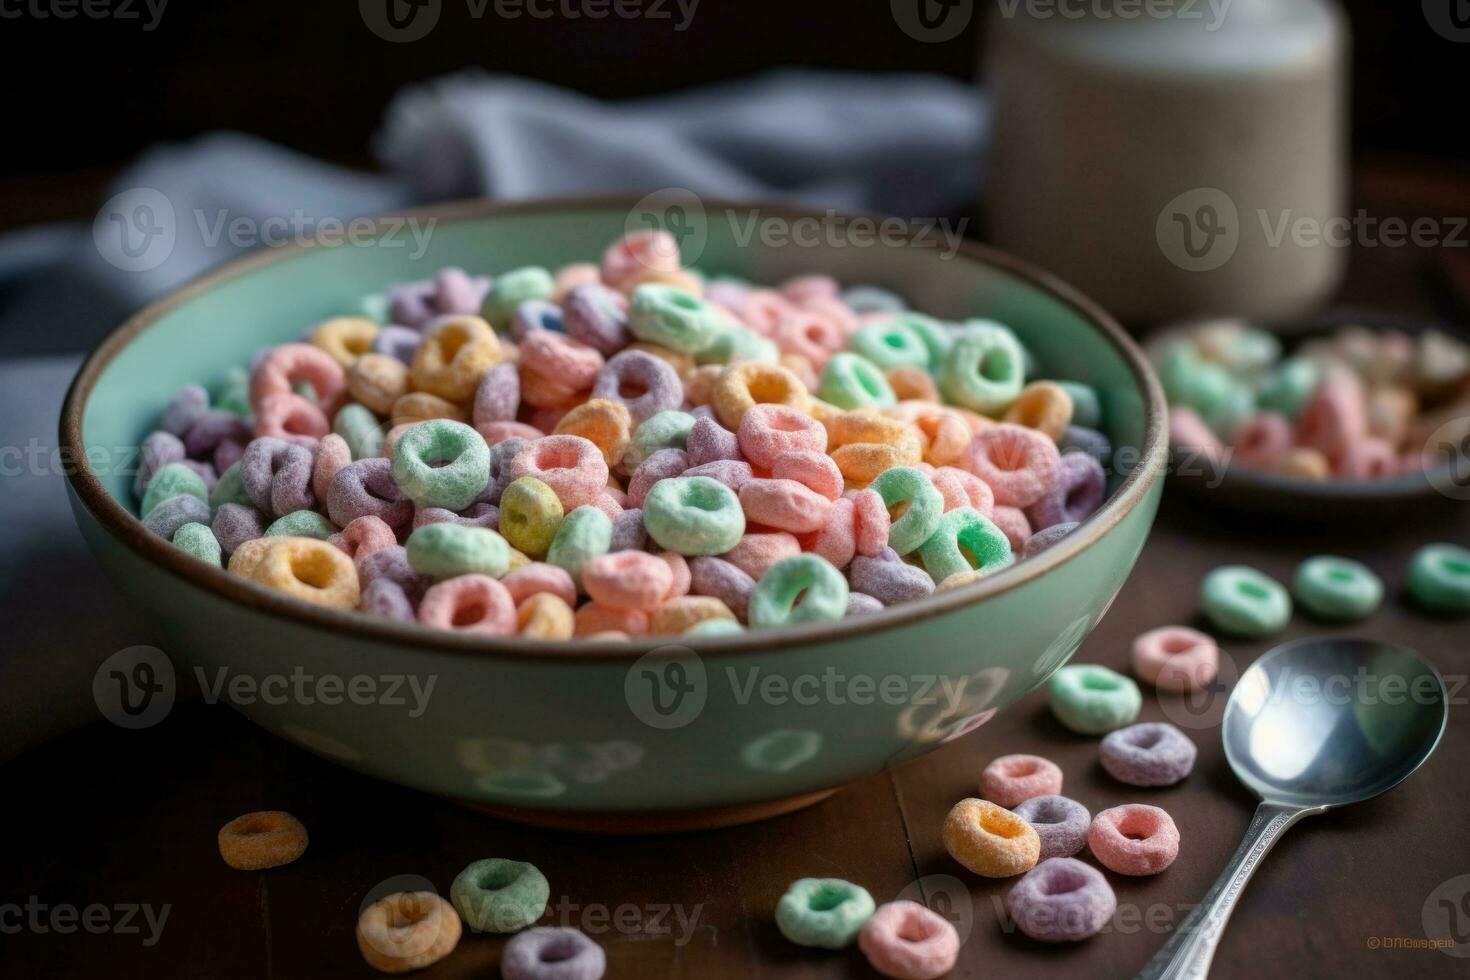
(120, 818)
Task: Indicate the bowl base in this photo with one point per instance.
(632, 822)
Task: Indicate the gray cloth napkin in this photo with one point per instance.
(899, 144)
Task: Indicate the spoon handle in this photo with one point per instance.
(1192, 946)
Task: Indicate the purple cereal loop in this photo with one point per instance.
(191, 402)
(656, 383)
(478, 514)
(498, 396)
(703, 412)
(860, 604)
(552, 953)
(386, 598)
(727, 293)
(533, 315)
(158, 450)
(733, 473)
(277, 476)
(228, 453)
(234, 524)
(366, 487)
(411, 303)
(628, 533)
(397, 342)
(1062, 900)
(887, 554)
(212, 428)
(457, 293)
(596, 315)
(501, 455)
(661, 465)
(206, 471)
(1047, 537)
(1148, 754)
(1075, 438)
(391, 563)
(171, 514)
(1061, 823)
(724, 581)
(890, 582)
(1077, 492)
(708, 441)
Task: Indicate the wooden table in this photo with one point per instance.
(121, 818)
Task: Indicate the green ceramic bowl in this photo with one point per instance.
(642, 735)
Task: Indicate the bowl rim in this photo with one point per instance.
(129, 530)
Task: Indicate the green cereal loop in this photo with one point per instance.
(301, 524)
(715, 627)
(584, 534)
(173, 480)
(1225, 415)
(1337, 588)
(936, 337)
(1177, 367)
(821, 589)
(985, 369)
(1289, 387)
(200, 542)
(693, 515)
(1090, 699)
(827, 913)
(983, 327)
(530, 515)
(1251, 351)
(852, 381)
(229, 489)
(497, 895)
(965, 540)
(512, 289)
(1439, 578)
(358, 427)
(738, 344)
(1086, 405)
(891, 344)
(1244, 602)
(233, 394)
(668, 315)
(445, 549)
(925, 505)
(456, 484)
(667, 430)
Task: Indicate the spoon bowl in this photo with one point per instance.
(1313, 724)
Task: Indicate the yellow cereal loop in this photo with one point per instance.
(454, 356)
(1044, 406)
(530, 515)
(912, 383)
(377, 381)
(990, 840)
(678, 615)
(605, 423)
(304, 568)
(748, 383)
(420, 406)
(346, 338)
(544, 616)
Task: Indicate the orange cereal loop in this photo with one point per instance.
(544, 616)
(699, 387)
(911, 383)
(304, 568)
(823, 412)
(605, 423)
(539, 391)
(943, 434)
(990, 840)
(1044, 406)
(684, 612)
(683, 364)
(407, 931)
(748, 383)
(421, 406)
(377, 381)
(678, 278)
(453, 357)
(260, 840)
(346, 338)
(867, 425)
(861, 462)
(594, 617)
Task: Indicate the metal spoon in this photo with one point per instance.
(1312, 725)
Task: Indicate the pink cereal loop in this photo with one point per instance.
(1334, 417)
(784, 504)
(812, 336)
(364, 536)
(836, 541)
(907, 941)
(1189, 434)
(1175, 658)
(813, 470)
(538, 576)
(977, 491)
(871, 522)
(1261, 437)
(332, 454)
(1018, 463)
(289, 363)
(804, 289)
(469, 604)
(1134, 839)
(755, 553)
(628, 580)
(682, 577)
(1014, 524)
(1013, 779)
(573, 467)
(554, 355)
(594, 617)
(764, 309)
(639, 252)
(768, 430)
(290, 416)
(1367, 459)
(495, 433)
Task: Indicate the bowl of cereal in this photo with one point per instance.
(653, 534)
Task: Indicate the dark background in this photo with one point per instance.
(83, 96)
